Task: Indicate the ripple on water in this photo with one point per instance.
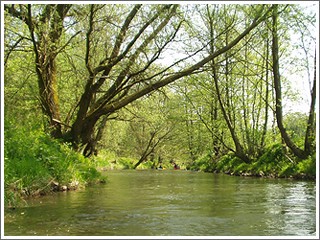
(173, 203)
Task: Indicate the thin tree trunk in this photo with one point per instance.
(265, 125)
(310, 131)
(148, 150)
(151, 146)
(239, 149)
(277, 87)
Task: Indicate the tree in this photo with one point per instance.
(298, 152)
(45, 32)
(126, 71)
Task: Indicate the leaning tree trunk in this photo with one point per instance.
(277, 87)
(310, 131)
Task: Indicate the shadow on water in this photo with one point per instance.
(172, 203)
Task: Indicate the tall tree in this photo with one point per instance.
(300, 153)
(126, 71)
(45, 33)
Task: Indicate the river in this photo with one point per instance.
(172, 203)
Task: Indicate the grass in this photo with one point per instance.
(35, 164)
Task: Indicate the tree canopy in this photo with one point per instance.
(87, 65)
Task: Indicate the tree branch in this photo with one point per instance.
(183, 73)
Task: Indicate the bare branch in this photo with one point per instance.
(11, 49)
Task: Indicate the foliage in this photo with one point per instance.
(204, 163)
(308, 167)
(36, 164)
(228, 163)
(126, 163)
(296, 124)
(270, 162)
(103, 160)
(121, 67)
(146, 165)
(273, 163)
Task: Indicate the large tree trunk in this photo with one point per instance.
(45, 36)
(49, 99)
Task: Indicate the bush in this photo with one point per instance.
(229, 163)
(126, 163)
(271, 162)
(287, 170)
(146, 165)
(103, 159)
(204, 163)
(307, 167)
(241, 168)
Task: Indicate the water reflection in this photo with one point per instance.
(290, 209)
(173, 203)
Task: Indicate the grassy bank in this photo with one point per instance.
(35, 164)
(275, 162)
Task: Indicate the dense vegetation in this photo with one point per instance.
(36, 164)
(208, 87)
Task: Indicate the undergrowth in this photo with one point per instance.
(274, 162)
(36, 164)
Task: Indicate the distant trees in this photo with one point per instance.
(234, 88)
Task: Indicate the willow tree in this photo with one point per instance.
(119, 69)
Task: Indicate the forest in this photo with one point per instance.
(224, 88)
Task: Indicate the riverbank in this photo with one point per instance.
(36, 165)
(274, 163)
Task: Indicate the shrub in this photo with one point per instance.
(204, 163)
(229, 163)
(126, 163)
(271, 162)
(103, 159)
(287, 170)
(242, 167)
(307, 167)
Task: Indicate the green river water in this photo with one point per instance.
(172, 203)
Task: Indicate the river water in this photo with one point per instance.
(172, 203)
